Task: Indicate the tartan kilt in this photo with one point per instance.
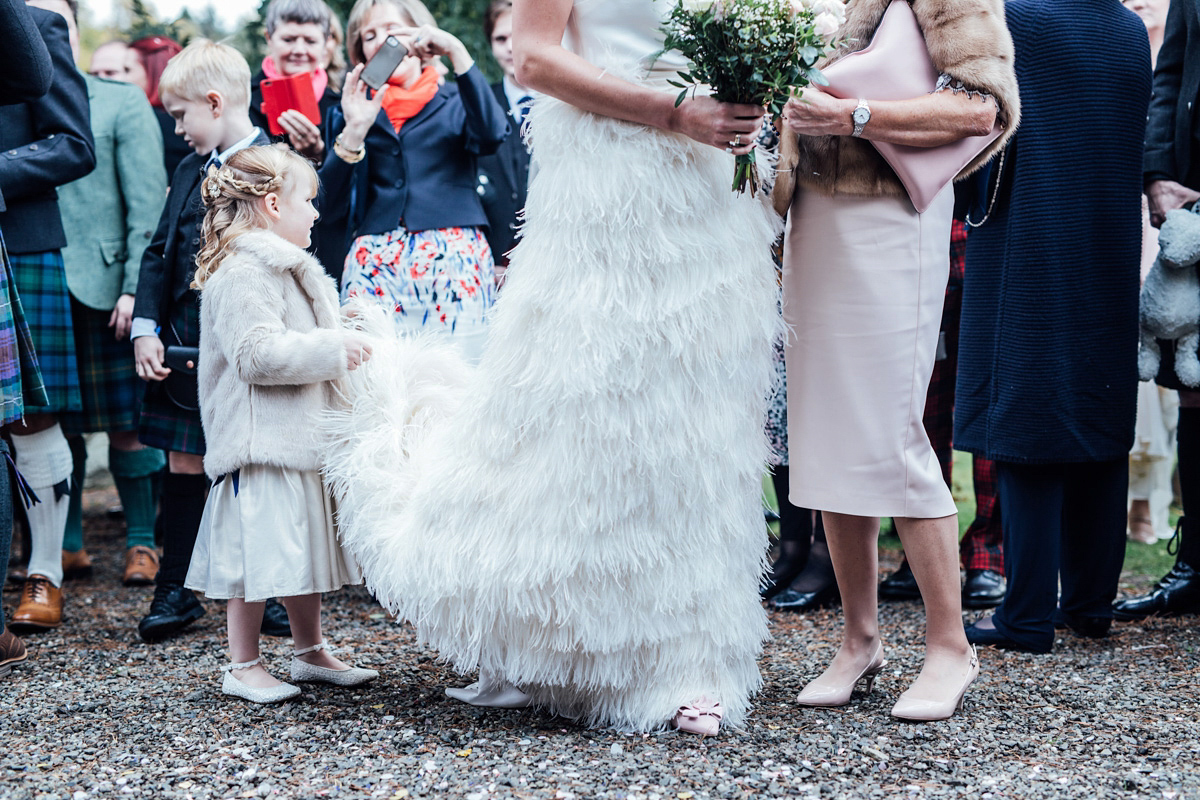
(42, 284)
(108, 381)
(162, 423)
(20, 376)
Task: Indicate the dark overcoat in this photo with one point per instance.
(504, 183)
(1047, 365)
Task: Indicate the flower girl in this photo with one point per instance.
(271, 350)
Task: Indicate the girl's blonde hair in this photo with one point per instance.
(232, 193)
(415, 10)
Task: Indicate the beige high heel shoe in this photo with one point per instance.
(826, 695)
(919, 709)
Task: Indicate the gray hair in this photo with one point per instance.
(301, 12)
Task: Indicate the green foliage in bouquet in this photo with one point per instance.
(758, 52)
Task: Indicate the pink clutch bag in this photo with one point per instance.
(896, 66)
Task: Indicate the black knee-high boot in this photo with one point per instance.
(795, 538)
(174, 607)
(1178, 592)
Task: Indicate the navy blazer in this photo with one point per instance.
(166, 271)
(25, 69)
(1172, 121)
(503, 181)
(44, 143)
(424, 176)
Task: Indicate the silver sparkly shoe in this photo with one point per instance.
(275, 694)
(310, 673)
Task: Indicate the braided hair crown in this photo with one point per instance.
(232, 193)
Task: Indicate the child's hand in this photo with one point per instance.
(148, 357)
(358, 350)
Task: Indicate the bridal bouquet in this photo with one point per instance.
(758, 52)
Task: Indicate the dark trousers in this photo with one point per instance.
(1189, 485)
(6, 517)
(1062, 522)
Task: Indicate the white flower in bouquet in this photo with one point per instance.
(826, 24)
(756, 52)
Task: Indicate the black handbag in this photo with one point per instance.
(182, 385)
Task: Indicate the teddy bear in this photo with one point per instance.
(1169, 305)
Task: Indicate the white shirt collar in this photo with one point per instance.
(514, 94)
(241, 144)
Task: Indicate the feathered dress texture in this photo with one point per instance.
(581, 513)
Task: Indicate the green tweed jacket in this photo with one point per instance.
(110, 215)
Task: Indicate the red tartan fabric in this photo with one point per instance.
(982, 546)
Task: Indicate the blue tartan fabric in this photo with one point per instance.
(163, 424)
(20, 376)
(108, 382)
(41, 282)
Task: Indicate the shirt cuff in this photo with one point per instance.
(143, 326)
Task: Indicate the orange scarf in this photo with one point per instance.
(402, 104)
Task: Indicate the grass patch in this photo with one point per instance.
(1144, 563)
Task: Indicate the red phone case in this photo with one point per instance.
(282, 94)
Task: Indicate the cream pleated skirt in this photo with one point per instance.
(268, 532)
(864, 281)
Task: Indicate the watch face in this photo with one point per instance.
(861, 116)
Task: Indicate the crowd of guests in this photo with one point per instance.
(421, 186)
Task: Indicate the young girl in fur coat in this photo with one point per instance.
(271, 350)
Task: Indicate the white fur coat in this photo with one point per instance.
(271, 346)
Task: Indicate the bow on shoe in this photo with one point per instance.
(705, 706)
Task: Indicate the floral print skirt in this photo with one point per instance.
(441, 279)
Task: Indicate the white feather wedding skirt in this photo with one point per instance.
(581, 513)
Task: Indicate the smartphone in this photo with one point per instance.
(384, 63)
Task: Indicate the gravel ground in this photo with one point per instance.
(97, 713)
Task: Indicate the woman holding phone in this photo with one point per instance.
(401, 171)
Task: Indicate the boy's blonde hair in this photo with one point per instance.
(205, 66)
(415, 10)
(232, 193)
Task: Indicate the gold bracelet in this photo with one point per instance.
(347, 155)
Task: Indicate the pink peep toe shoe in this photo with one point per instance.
(825, 695)
(702, 716)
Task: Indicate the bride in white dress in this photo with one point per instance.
(580, 514)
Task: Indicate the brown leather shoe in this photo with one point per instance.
(76, 564)
(141, 566)
(12, 651)
(40, 608)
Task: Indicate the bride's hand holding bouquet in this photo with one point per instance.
(751, 53)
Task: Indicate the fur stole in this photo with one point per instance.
(967, 40)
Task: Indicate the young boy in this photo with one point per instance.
(206, 88)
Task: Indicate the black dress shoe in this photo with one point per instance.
(781, 574)
(275, 619)
(172, 609)
(984, 589)
(1177, 592)
(983, 637)
(792, 600)
(1090, 627)
(900, 585)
